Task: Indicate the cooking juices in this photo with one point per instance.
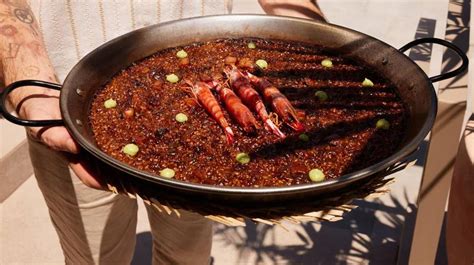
(351, 117)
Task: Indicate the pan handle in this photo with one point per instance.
(23, 122)
(457, 71)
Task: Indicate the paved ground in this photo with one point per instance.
(371, 233)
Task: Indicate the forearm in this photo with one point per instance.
(23, 56)
(22, 51)
(294, 8)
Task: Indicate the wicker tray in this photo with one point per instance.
(328, 208)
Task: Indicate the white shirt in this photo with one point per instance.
(73, 28)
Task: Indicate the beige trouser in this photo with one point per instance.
(459, 224)
(99, 227)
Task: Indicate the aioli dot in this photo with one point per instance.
(181, 117)
(321, 95)
(326, 63)
(110, 103)
(242, 158)
(316, 175)
(261, 63)
(182, 54)
(251, 45)
(367, 83)
(130, 149)
(382, 124)
(303, 137)
(172, 78)
(167, 173)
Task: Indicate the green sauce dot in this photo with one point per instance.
(242, 158)
(251, 45)
(130, 149)
(172, 78)
(323, 96)
(304, 137)
(261, 63)
(367, 83)
(326, 63)
(316, 175)
(182, 54)
(110, 103)
(382, 124)
(181, 117)
(167, 173)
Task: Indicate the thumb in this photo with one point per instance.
(88, 169)
(87, 173)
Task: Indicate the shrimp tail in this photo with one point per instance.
(229, 135)
(272, 127)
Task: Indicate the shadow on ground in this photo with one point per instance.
(369, 233)
(142, 255)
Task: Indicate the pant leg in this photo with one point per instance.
(180, 240)
(93, 226)
(460, 215)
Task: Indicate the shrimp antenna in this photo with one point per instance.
(227, 75)
(189, 88)
(225, 82)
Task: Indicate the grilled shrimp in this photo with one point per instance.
(204, 96)
(280, 104)
(236, 108)
(250, 97)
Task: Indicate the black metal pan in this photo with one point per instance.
(98, 67)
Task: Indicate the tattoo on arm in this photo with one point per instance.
(12, 11)
(22, 50)
(14, 14)
(12, 51)
(8, 30)
(24, 15)
(31, 71)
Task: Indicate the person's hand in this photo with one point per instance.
(293, 8)
(46, 107)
